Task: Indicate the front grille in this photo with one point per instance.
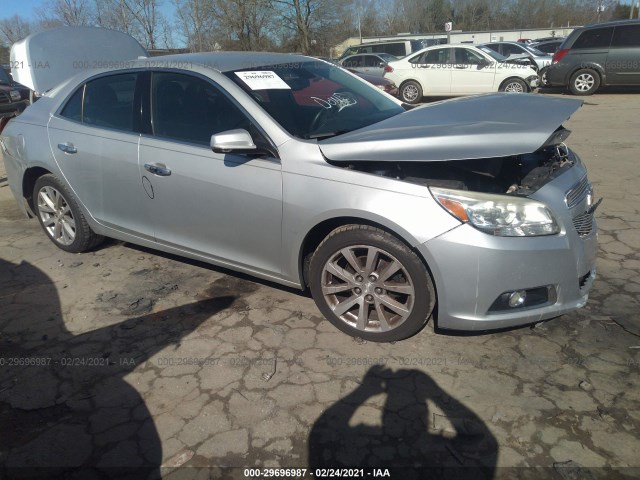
(4, 98)
(583, 223)
(578, 192)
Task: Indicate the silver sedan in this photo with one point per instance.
(294, 170)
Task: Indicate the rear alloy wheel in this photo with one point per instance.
(370, 285)
(411, 92)
(514, 85)
(584, 82)
(60, 216)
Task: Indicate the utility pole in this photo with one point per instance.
(631, 13)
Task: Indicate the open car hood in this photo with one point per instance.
(44, 59)
(483, 126)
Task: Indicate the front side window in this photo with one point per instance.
(464, 56)
(109, 101)
(190, 109)
(626, 36)
(508, 50)
(313, 99)
(594, 38)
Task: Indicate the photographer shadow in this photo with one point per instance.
(65, 404)
(449, 442)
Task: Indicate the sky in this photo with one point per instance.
(9, 8)
(26, 8)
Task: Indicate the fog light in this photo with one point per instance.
(517, 298)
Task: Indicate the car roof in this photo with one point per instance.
(613, 23)
(222, 61)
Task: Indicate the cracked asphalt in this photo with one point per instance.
(137, 364)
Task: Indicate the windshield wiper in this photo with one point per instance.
(324, 135)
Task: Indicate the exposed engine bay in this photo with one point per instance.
(516, 175)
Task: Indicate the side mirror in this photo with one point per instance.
(233, 141)
(382, 64)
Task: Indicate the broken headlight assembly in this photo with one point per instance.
(500, 215)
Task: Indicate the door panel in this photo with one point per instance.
(623, 60)
(468, 75)
(224, 206)
(434, 71)
(101, 162)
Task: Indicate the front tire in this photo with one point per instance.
(584, 82)
(514, 85)
(60, 216)
(411, 92)
(371, 285)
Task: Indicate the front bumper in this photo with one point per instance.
(472, 270)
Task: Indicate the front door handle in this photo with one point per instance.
(67, 147)
(157, 169)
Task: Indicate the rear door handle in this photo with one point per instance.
(67, 148)
(157, 169)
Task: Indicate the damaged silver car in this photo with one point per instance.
(471, 211)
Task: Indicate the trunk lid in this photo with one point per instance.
(43, 60)
(483, 126)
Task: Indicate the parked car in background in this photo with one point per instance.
(451, 70)
(14, 98)
(512, 50)
(382, 83)
(598, 55)
(548, 46)
(397, 48)
(369, 63)
(384, 211)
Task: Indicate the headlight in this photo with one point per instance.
(500, 215)
(15, 95)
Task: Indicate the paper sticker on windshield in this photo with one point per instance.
(263, 81)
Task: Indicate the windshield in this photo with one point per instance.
(495, 55)
(4, 77)
(534, 50)
(313, 99)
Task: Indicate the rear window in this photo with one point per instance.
(594, 38)
(626, 36)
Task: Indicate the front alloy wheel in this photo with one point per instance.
(515, 85)
(371, 285)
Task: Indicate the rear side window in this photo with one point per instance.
(626, 36)
(594, 38)
(354, 62)
(108, 102)
(73, 109)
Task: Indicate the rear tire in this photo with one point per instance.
(411, 92)
(584, 82)
(60, 216)
(371, 285)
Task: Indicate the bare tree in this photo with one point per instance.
(66, 13)
(149, 18)
(195, 23)
(13, 29)
(115, 14)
